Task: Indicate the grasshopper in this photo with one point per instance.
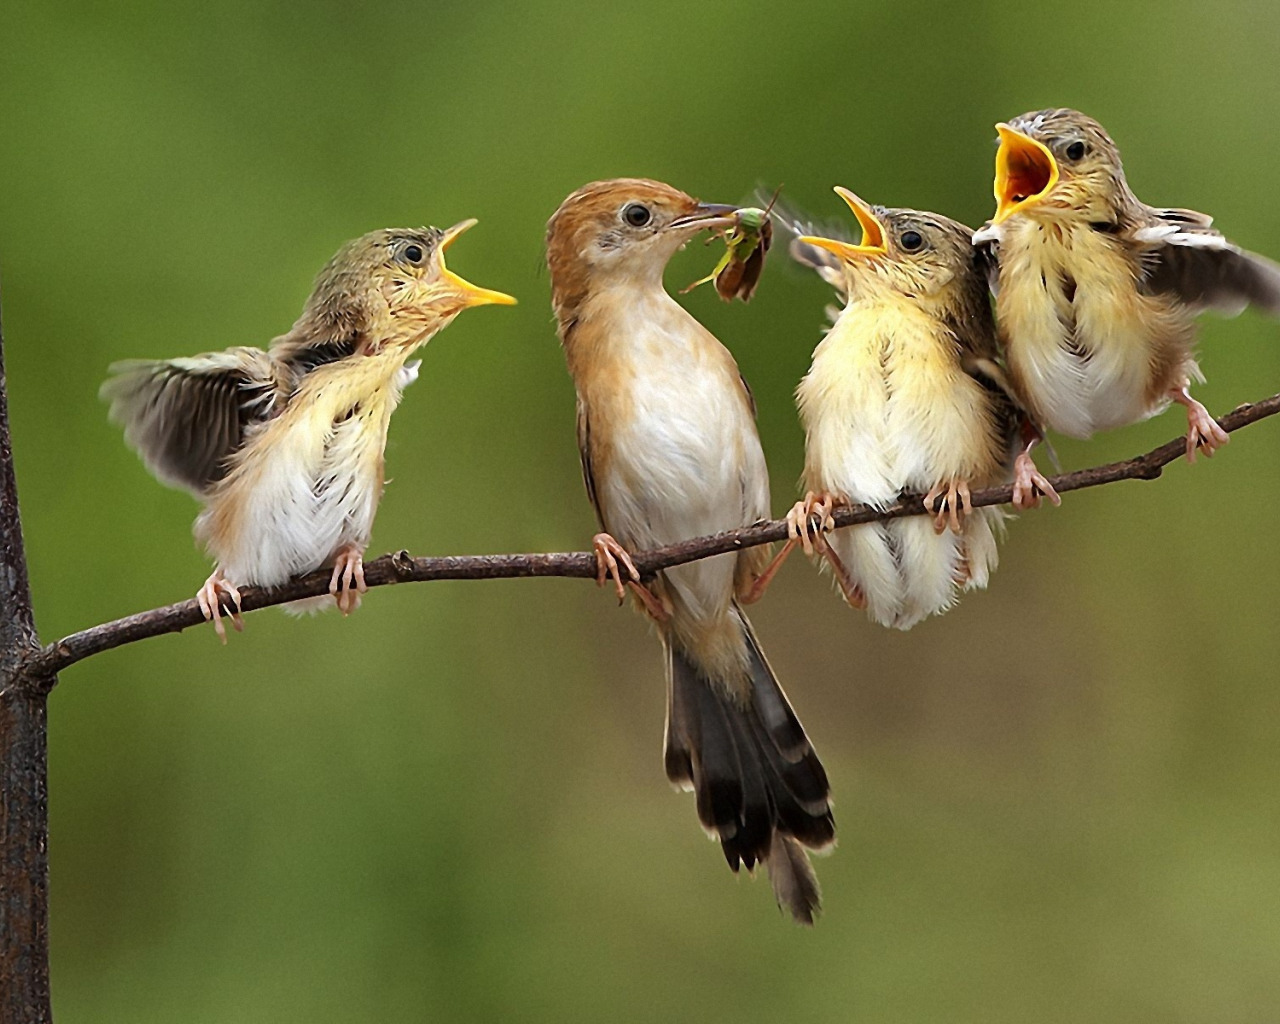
(746, 243)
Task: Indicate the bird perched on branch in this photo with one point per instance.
(1096, 292)
(285, 447)
(669, 449)
(905, 396)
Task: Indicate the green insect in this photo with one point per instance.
(746, 243)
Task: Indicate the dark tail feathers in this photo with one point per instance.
(759, 783)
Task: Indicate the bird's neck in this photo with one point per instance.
(625, 319)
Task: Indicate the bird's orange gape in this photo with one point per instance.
(1025, 171)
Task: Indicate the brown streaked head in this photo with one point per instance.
(389, 286)
(626, 228)
(1058, 161)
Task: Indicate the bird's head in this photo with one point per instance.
(910, 252)
(393, 286)
(1057, 163)
(624, 230)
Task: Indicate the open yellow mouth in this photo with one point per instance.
(467, 293)
(1025, 172)
(872, 244)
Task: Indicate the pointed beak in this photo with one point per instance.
(873, 243)
(1025, 172)
(705, 215)
(467, 293)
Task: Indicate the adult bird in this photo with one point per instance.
(667, 434)
(1096, 292)
(284, 447)
(905, 396)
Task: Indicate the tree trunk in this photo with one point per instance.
(24, 770)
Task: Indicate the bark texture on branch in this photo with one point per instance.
(42, 665)
(24, 806)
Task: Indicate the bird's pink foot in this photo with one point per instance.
(761, 583)
(347, 582)
(609, 553)
(801, 525)
(853, 594)
(1203, 430)
(955, 505)
(210, 597)
(1029, 485)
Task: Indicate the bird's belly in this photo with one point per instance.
(877, 427)
(1080, 395)
(886, 432)
(1087, 350)
(303, 492)
(680, 466)
(685, 462)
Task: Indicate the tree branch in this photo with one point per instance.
(401, 568)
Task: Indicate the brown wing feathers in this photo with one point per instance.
(185, 417)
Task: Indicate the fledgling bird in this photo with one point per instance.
(1096, 292)
(285, 447)
(905, 396)
(667, 434)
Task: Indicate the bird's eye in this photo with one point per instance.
(413, 253)
(637, 215)
(1076, 150)
(910, 240)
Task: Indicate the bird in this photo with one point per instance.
(1097, 292)
(667, 436)
(905, 395)
(284, 446)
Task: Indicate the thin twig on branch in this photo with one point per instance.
(401, 568)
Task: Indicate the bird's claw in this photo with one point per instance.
(1029, 485)
(1203, 432)
(808, 518)
(608, 554)
(955, 505)
(209, 598)
(347, 582)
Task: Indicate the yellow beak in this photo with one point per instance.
(466, 292)
(1025, 172)
(873, 243)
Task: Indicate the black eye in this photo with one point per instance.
(413, 253)
(637, 215)
(910, 240)
(1075, 151)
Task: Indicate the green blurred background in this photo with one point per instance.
(1057, 803)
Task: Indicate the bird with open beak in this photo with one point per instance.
(904, 396)
(667, 434)
(1096, 292)
(285, 447)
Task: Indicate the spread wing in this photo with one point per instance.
(185, 417)
(1185, 256)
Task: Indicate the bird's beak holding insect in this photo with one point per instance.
(705, 215)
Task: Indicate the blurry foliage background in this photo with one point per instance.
(1057, 803)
